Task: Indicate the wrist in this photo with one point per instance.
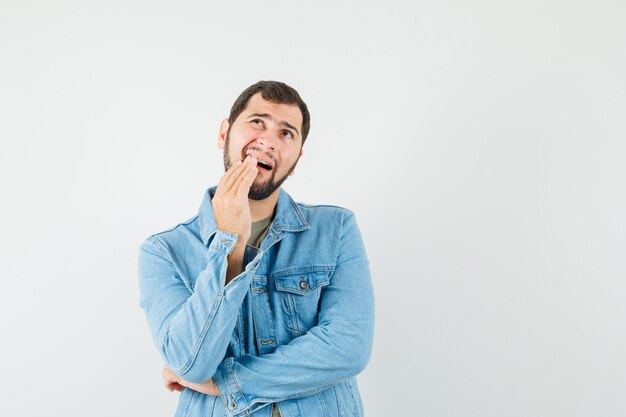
(235, 261)
(240, 245)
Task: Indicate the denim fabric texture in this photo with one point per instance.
(294, 328)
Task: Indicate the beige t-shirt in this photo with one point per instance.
(259, 230)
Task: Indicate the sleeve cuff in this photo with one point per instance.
(234, 399)
(224, 242)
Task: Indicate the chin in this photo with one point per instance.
(262, 190)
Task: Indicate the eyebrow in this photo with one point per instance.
(269, 116)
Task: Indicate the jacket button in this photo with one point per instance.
(303, 284)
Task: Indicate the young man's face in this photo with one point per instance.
(270, 132)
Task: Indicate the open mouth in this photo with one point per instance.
(262, 161)
(264, 165)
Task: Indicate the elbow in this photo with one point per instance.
(356, 353)
(361, 363)
(351, 344)
(361, 357)
(364, 346)
(195, 371)
(361, 346)
(195, 375)
(352, 362)
(184, 364)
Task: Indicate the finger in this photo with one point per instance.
(244, 185)
(185, 383)
(167, 383)
(175, 387)
(222, 182)
(251, 170)
(232, 179)
(169, 377)
(226, 181)
(248, 164)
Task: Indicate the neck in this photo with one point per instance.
(261, 209)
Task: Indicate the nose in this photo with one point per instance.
(267, 141)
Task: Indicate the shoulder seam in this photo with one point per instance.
(324, 205)
(159, 247)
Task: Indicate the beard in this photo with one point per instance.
(258, 190)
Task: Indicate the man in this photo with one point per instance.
(259, 305)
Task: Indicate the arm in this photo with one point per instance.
(192, 331)
(336, 349)
(173, 382)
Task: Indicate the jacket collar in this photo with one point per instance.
(288, 218)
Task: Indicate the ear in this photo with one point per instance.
(221, 140)
(294, 169)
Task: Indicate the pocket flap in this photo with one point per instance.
(302, 283)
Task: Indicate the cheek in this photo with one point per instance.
(249, 132)
(248, 136)
(240, 139)
(288, 158)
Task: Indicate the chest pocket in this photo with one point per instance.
(300, 292)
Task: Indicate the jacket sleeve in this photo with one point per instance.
(192, 330)
(336, 349)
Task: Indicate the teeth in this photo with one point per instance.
(264, 162)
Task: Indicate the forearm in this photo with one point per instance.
(192, 332)
(309, 364)
(235, 261)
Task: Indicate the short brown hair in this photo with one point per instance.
(275, 92)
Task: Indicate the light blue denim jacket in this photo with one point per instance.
(294, 328)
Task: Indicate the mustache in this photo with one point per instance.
(257, 149)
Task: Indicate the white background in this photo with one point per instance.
(481, 145)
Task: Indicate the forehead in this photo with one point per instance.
(289, 113)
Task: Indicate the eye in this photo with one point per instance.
(258, 122)
(287, 134)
